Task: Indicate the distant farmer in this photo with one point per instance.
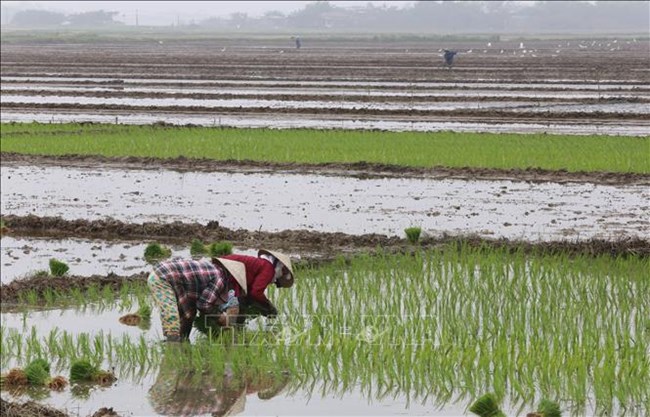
(180, 287)
(449, 57)
(268, 267)
(298, 44)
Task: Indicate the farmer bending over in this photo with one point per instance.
(180, 287)
(269, 267)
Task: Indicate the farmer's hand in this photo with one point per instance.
(229, 317)
(271, 312)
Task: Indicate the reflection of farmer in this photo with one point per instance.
(269, 267)
(197, 392)
(180, 287)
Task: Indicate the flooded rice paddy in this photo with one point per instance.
(312, 353)
(276, 201)
(23, 257)
(564, 326)
(134, 117)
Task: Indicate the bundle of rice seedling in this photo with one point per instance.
(198, 248)
(413, 234)
(486, 406)
(82, 370)
(220, 249)
(58, 268)
(38, 372)
(155, 252)
(548, 408)
(144, 311)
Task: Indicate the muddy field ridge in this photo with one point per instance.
(360, 169)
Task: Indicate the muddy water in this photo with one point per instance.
(133, 389)
(633, 108)
(280, 121)
(145, 391)
(271, 104)
(306, 91)
(540, 84)
(537, 106)
(21, 257)
(283, 201)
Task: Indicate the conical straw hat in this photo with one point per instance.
(284, 259)
(236, 269)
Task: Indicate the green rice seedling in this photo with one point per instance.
(155, 252)
(220, 248)
(417, 149)
(42, 363)
(49, 296)
(547, 408)
(82, 370)
(58, 268)
(38, 372)
(144, 311)
(443, 335)
(198, 248)
(93, 293)
(486, 406)
(413, 234)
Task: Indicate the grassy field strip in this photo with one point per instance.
(412, 149)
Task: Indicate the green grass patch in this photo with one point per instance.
(410, 149)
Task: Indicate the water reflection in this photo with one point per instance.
(181, 391)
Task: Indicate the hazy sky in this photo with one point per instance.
(167, 12)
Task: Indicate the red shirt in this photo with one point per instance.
(259, 274)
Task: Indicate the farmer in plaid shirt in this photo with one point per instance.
(180, 287)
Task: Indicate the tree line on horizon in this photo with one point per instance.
(421, 17)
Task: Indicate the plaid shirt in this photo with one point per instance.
(198, 284)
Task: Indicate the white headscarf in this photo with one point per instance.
(276, 264)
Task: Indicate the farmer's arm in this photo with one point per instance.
(261, 281)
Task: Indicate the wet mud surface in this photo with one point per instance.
(277, 201)
(359, 170)
(323, 59)
(26, 256)
(449, 122)
(28, 409)
(389, 86)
